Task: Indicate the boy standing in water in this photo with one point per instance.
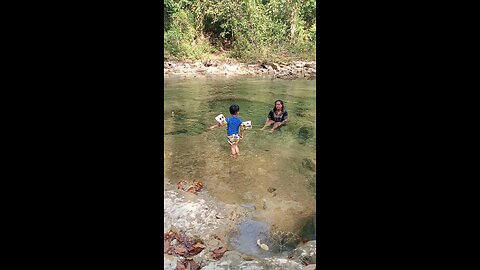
(233, 126)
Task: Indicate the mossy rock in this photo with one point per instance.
(304, 133)
(309, 164)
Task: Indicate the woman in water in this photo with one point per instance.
(278, 116)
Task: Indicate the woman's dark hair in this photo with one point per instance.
(234, 109)
(275, 105)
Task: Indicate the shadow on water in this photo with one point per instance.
(247, 233)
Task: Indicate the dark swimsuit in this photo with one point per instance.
(278, 117)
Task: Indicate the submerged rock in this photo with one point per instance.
(308, 164)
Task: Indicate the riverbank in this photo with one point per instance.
(209, 224)
(273, 70)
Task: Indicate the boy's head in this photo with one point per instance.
(234, 109)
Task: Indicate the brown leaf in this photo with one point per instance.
(196, 248)
(180, 250)
(220, 250)
(180, 237)
(199, 245)
(194, 265)
(166, 245)
(188, 244)
(198, 185)
(181, 185)
(169, 235)
(195, 251)
(192, 189)
(218, 253)
(180, 266)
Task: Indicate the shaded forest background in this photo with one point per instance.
(244, 30)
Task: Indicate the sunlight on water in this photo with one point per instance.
(276, 172)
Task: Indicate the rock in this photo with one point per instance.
(249, 205)
(169, 262)
(310, 267)
(231, 68)
(299, 64)
(284, 71)
(308, 164)
(305, 253)
(257, 264)
(192, 215)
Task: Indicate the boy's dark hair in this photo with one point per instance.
(234, 109)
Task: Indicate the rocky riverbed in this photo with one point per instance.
(203, 227)
(274, 70)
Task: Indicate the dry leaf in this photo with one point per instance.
(194, 265)
(199, 245)
(180, 250)
(192, 189)
(218, 253)
(166, 245)
(180, 266)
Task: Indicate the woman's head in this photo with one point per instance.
(278, 105)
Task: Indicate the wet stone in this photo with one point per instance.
(308, 164)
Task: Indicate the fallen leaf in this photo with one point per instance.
(180, 250)
(181, 185)
(166, 245)
(199, 245)
(192, 189)
(180, 266)
(198, 185)
(218, 253)
(220, 250)
(194, 265)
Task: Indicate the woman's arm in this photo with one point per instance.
(270, 115)
(284, 118)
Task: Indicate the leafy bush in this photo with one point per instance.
(250, 30)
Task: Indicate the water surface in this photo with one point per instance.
(275, 173)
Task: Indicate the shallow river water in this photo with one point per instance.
(275, 173)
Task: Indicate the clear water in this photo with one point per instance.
(284, 160)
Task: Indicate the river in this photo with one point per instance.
(275, 172)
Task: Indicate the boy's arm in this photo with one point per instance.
(241, 132)
(216, 126)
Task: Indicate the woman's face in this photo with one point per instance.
(278, 105)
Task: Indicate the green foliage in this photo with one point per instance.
(181, 42)
(248, 30)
